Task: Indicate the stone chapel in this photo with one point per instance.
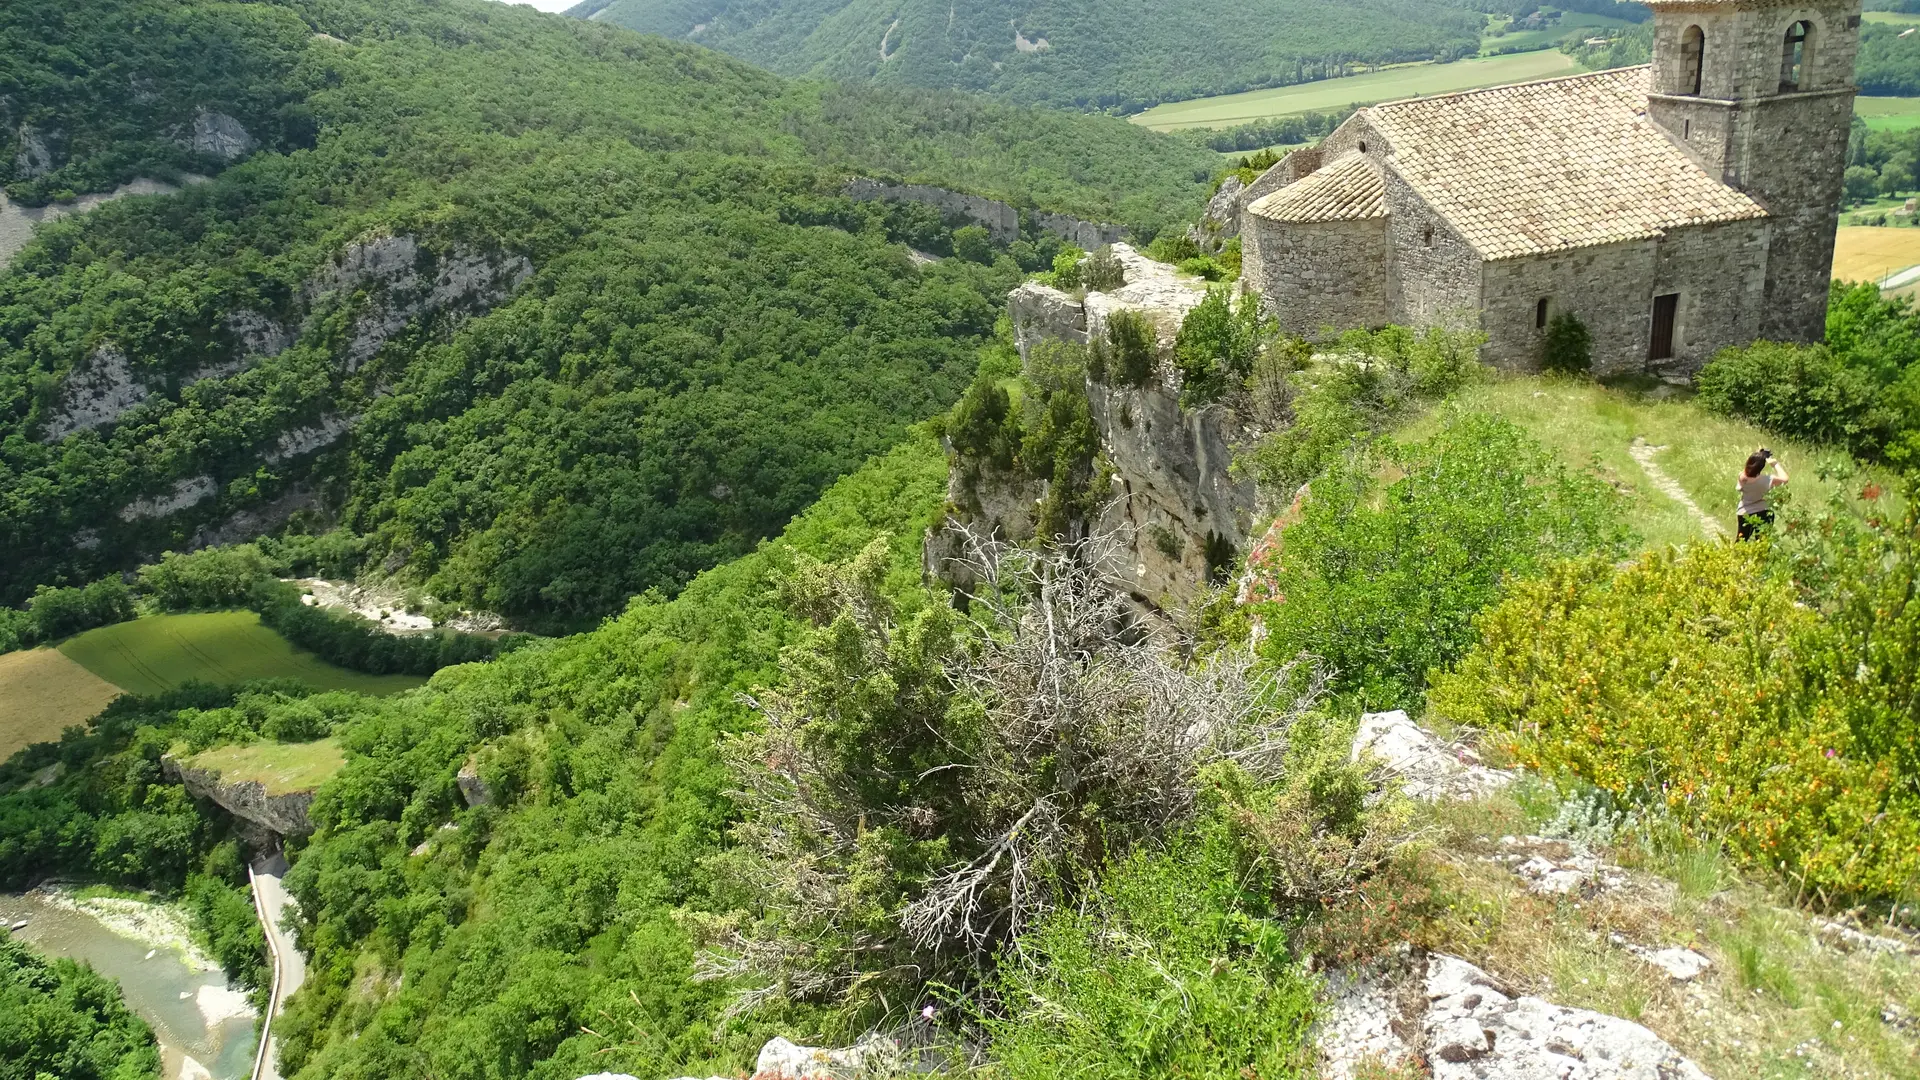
(1675, 209)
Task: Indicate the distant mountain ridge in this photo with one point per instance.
(1119, 54)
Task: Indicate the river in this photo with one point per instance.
(202, 1029)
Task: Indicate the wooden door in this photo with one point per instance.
(1664, 309)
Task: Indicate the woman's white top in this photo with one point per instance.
(1753, 493)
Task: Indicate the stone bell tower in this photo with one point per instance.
(1760, 94)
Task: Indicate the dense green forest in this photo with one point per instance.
(1114, 56)
(671, 333)
(58, 1018)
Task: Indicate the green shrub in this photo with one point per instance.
(1179, 963)
(1177, 966)
(1173, 247)
(60, 1019)
(1371, 381)
(1217, 346)
(1383, 583)
(973, 243)
(57, 613)
(1126, 354)
(1568, 348)
(1102, 272)
(1805, 391)
(1067, 273)
(1205, 267)
(983, 426)
(1701, 682)
(221, 577)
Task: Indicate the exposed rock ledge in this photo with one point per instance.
(1000, 219)
(280, 815)
(1469, 1025)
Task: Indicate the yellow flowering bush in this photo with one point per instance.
(1696, 681)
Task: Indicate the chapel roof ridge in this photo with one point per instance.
(1508, 86)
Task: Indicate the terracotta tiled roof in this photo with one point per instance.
(1345, 189)
(1547, 166)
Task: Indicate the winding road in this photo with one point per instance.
(270, 902)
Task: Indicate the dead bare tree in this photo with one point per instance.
(1070, 731)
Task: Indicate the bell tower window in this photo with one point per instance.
(1693, 50)
(1795, 53)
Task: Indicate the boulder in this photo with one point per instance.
(783, 1060)
(35, 157)
(473, 789)
(218, 135)
(1426, 767)
(1478, 1029)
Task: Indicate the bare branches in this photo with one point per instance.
(917, 797)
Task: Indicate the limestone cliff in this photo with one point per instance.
(1000, 219)
(377, 288)
(1180, 513)
(268, 816)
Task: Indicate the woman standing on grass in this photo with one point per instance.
(1754, 488)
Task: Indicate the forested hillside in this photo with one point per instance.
(1123, 56)
(547, 313)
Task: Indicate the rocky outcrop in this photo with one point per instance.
(97, 392)
(300, 441)
(1087, 235)
(1221, 222)
(1425, 767)
(34, 158)
(1180, 512)
(473, 789)
(1174, 493)
(1000, 219)
(184, 493)
(1468, 1025)
(217, 135)
(259, 520)
(405, 282)
(247, 800)
(871, 1059)
(1478, 1029)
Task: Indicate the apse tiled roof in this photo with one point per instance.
(1552, 165)
(1347, 188)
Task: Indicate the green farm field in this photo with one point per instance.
(147, 656)
(1888, 113)
(1387, 84)
(1892, 18)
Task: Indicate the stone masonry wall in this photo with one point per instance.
(1434, 274)
(1318, 276)
(1719, 272)
(1786, 149)
(1608, 288)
